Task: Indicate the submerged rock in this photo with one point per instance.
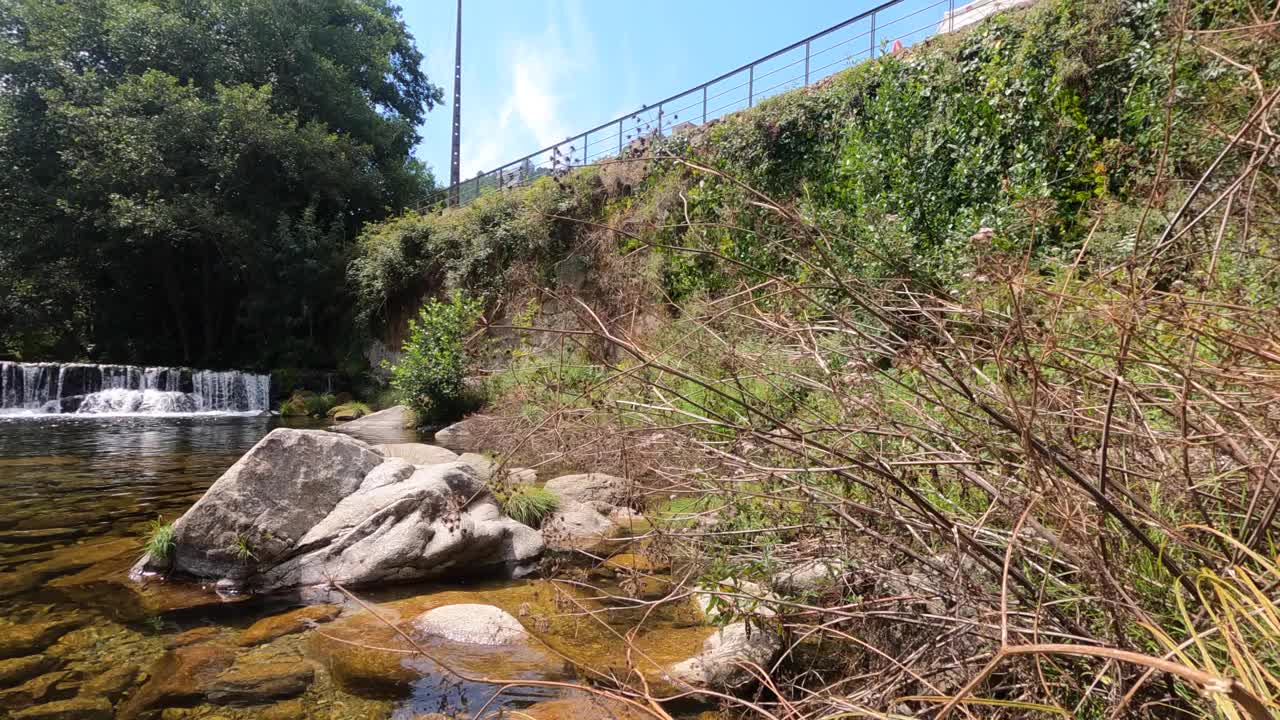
(40, 689)
(18, 670)
(305, 508)
(720, 664)
(112, 683)
(179, 677)
(581, 708)
(472, 624)
(260, 683)
(19, 640)
(295, 621)
(78, 708)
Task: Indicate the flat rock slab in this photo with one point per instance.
(295, 621)
(393, 425)
(418, 453)
(472, 624)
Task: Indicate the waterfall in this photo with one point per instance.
(53, 388)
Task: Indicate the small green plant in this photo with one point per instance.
(242, 549)
(528, 504)
(431, 375)
(350, 409)
(160, 543)
(304, 403)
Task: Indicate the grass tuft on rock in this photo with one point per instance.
(160, 543)
(350, 409)
(528, 504)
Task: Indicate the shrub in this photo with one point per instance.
(528, 504)
(354, 409)
(431, 375)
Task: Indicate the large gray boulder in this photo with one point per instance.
(266, 502)
(723, 663)
(306, 508)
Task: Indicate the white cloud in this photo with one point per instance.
(532, 115)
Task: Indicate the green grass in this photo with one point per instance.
(357, 409)
(242, 549)
(528, 504)
(160, 543)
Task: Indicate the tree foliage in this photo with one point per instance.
(183, 178)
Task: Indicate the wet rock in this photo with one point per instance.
(590, 488)
(418, 453)
(194, 636)
(295, 621)
(78, 708)
(260, 683)
(471, 624)
(267, 501)
(40, 689)
(113, 683)
(19, 640)
(719, 665)
(18, 670)
(179, 677)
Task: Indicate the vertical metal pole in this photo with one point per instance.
(806, 62)
(751, 86)
(585, 145)
(873, 36)
(478, 176)
(659, 120)
(951, 16)
(704, 104)
(619, 138)
(455, 162)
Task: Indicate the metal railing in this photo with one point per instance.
(862, 37)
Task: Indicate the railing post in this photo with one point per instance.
(751, 86)
(873, 36)
(585, 144)
(704, 104)
(478, 186)
(951, 16)
(806, 62)
(619, 137)
(659, 119)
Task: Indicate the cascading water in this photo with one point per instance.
(50, 388)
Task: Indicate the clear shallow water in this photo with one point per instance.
(76, 496)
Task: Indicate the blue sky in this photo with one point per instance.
(537, 71)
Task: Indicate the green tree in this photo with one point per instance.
(193, 171)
